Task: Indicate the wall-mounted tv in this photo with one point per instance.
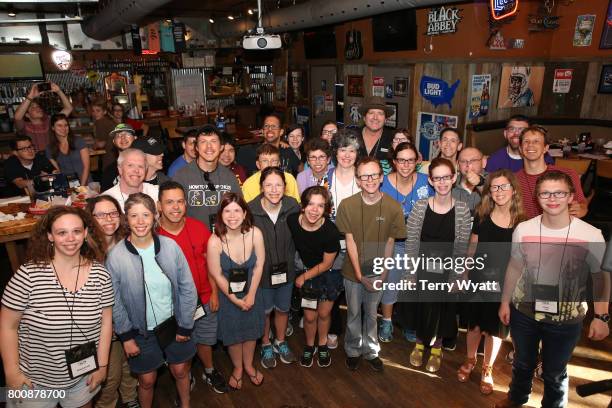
(320, 43)
(18, 66)
(396, 31)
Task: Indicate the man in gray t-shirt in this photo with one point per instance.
(204, 180)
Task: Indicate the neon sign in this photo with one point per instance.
(501, 9)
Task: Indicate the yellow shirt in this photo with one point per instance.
(251, 189)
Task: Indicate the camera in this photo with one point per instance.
(44, 87)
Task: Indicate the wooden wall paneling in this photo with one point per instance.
(389, 73)
(563, 104)
(594, 105)
(354, 69)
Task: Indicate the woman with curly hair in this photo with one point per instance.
(56, 319)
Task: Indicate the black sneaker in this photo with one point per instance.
(352, 363)
(376, 364)
(307, 356)
(131, 404)
(216, 381)
(449, 344)
(323, 357)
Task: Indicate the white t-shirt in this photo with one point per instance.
(115, 192)
(341, 191)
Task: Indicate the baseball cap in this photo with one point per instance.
(149, 145)
(122, 127)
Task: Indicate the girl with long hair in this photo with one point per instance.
(68, 153)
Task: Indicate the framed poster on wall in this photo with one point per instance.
(606, 35)
(605, 80)
(355, 85)
(391, 121)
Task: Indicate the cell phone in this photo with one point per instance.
(44, 87)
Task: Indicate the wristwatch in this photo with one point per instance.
(603, 317)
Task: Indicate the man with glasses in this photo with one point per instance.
(533, 147)
(122, 137)
(509, 156)
(468, 186)
(317, 154)
(546, 291)
(272, 131)
(204, 180)
(268, 156)
(374, 138)
(371, 221)
(189, 153)
(23, 166)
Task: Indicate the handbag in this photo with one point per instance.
(165, 332)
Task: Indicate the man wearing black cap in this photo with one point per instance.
(154, 152)
(374, 139)
(122, 137)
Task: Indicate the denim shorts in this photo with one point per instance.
(205, 328)
(151, 356)
(330, 284)
(278, 298)
(73, 397)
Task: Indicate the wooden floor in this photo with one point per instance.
(400, 385)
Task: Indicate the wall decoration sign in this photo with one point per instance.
(391, 120)
(355, 85)
(437, 91)
(329, 102)
(497, 41)
(389, 91)
(401, 86)
(428, 130)
(606, 35)
(583, 34)
(319, 105)
(378, 86)
(480, 99)
(562, 81)
(520, 86)
(354, 114)
(605, 80)
(62, 59)
(442, 20)
(501, 9)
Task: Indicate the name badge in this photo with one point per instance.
(278, 275)
(343, 244)
(310, 298)
(200, 312)
(237, 280)
(212, 218)
(546, 299)
(384, 150)
(82, 359)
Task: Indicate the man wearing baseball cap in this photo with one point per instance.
(375, 140)
(154, 151)
(122, 137)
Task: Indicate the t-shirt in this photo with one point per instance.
(528, 182)
(371, 227)
(251, 187)
(110, 177)
(381, 149)
(548, 260)
(46, 327)
(306, 179)
(202, 202)
(70, 164)
(494, 244)
(501, 159)
(115, 192)
(158, 289)
(311, 245)
(13, 169)
(176, 165)
(340, 191)
(239, 172)
(39, 133)
(193, 240)
(421, 189)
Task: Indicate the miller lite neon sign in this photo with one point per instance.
(501, 9)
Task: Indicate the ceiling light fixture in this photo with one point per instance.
(250, 11)
(211, 20)
(230, 17)
(11, 13)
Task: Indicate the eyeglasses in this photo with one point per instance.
(317, 158)
(30, 147)
(464, 162)
(545, 195)
(329, 132)
(514, 129)
(124, 135)
(399, 139)
(502, 187)
(105, 215)
(366, 177)
(404, 161)
(438, 179)
(209, 184)
(270, 127)
(266, 162)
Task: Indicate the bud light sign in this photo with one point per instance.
(501, 9)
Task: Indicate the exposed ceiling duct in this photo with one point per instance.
(117, 16)
(319, 12)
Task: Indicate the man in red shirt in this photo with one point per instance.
(192, 236)
(533, 147)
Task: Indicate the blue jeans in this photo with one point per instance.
(558, 342)
(361, 338)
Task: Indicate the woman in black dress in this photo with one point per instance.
(499, 212)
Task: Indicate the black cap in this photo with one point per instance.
(149, 145)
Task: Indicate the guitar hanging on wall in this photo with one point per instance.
(353, 48)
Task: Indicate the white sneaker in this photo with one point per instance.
(332, 341)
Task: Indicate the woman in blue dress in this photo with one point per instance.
(236, 257)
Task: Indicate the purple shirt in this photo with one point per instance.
(502, 160)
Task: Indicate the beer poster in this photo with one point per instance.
(481, 97)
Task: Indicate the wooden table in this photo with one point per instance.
(13, 231)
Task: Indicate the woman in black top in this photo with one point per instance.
(317, 241)
(500, 210)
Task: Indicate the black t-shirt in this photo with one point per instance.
(312, 244)
(247, 156)
(494, 244)
(382, 149)
(110, 177)
(13, 169)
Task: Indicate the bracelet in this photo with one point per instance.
(29, 99)
(100, 366)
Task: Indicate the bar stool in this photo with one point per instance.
(580, 166)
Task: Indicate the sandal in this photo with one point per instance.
(254, 378)
(416, 357)
(463, 374)
(435, 360)
(486, 381)
(238, 382)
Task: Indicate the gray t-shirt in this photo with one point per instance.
(202, 202)
(70, 164)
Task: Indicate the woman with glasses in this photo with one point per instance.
(329, 131)
(400, 136)
(317, 153)
(68, 153)
(155, 301)
(438, 227)
(56, 318)
(405, 186)
(500, 210)
(295, 139)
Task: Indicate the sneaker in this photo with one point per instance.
(131, 404)
(385, 331)
(332, 341)
(307, 356)
(284, 352)
(410, 335)
(449, 344)
(289, 330)
(192, 382)
(352, 363)
(376, 364)
(268, 359)
(216, 381)
(323, 357)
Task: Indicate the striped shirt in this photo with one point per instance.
(45, 327)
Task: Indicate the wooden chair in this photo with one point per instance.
(580, 166)
(604, 169)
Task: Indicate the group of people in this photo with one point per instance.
(158, 269)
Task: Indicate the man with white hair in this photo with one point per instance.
(132, 167)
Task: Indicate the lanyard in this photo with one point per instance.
(70, 308)
(363, 227)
